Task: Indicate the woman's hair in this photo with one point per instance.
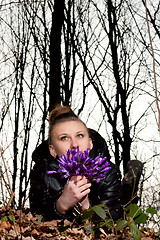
(61, 114)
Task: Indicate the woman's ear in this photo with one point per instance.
(90, 144)
(52, 151)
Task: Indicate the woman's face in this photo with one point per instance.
(69, 135)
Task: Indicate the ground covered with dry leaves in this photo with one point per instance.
(18, 224)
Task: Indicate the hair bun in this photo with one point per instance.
(59, 110)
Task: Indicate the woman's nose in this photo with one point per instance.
(74, 143)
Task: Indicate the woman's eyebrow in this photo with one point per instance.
(81, 131)
(62, 134)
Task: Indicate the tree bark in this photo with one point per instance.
(55, 54)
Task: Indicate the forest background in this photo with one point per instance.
(99, 56)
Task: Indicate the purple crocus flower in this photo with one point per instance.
(78, 163)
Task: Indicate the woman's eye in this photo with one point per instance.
(80, 135)
(64, 138)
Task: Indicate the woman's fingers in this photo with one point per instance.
(76, 178)
(76, 190)
(79, 180)
(84, 187)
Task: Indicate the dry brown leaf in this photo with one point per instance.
(19, 213)
(29, 216)
(66, 222)
(3, 238)
(3, 208)
(28, 238)
(16, 227)
(47, 235)
(6, 225)
(102, 231)
(12, 233)
(26, 229)
(146, 238)
(35, 232)
(3, 232)
(52, 223)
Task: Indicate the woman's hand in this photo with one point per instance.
(76, 190)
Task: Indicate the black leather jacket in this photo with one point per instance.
(45, 188)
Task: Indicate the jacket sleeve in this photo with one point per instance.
(108, 192)
(111, 194)
(43, 198)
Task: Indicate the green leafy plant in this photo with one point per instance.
(95, 218)
(134, 216)
(41, 219)
(9, 218)
(134, 212)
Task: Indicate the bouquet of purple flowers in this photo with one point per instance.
(78, 163)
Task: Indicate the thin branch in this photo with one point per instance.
(155, 81)
(11, 192)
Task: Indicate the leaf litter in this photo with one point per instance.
(21, 224)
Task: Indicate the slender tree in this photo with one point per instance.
(55, 83)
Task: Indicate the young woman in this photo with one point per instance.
(54, 197)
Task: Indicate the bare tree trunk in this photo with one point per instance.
(55, 54)
(121, 92)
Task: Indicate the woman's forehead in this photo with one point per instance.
(70, 126)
